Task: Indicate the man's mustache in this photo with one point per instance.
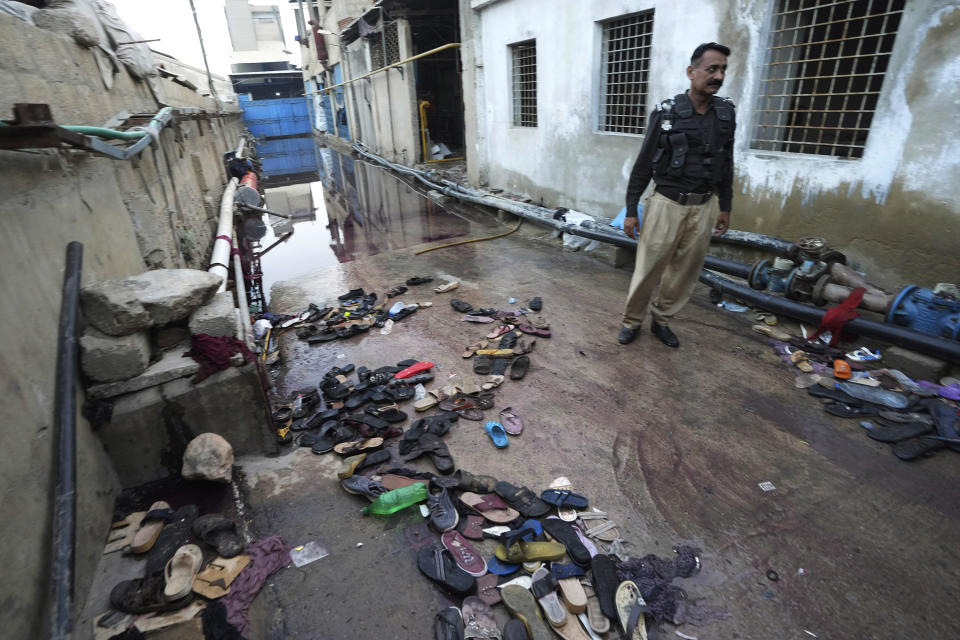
(715, 83)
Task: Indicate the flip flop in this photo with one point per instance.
(917, 447)
(521, 603)
(521, 551)
(598, 622)
(568, 578)
(150, 527)
(492, 383)
(544, 589)
(897, 433)
(772, 332)
(446, 286)
(801, 360)
(843, 410)
(567, 513)
(461, 306)
(519, 367)
(630, 610)
(358, 446)
(534, 331)
(478, 319)
(501, 568)
(180, 571)
(482, 365)
(522, 499)
(349, 465)
(511, 421)
(487, 589)
(470, 351)
(490, 506)
(565, 534)
(564, 498)
(415, 280)
(499, 331)
(478, 620)
(536, 304)
(497, 434)
(604, 530)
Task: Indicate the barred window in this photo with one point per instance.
(524, 84)
(389, 38)
(625, 73)
(823, 76)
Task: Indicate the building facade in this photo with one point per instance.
(846, 111)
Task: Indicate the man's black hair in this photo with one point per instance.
(703, 48)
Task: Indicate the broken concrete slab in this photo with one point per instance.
(216, 317)
(121, 307)
(171, 366)
(169, 336)
(150, 428)
(112, 306)
(107, 358)
(169, 295)
(916, 365)
(208, 457)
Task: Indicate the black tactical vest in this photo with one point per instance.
(685, 150)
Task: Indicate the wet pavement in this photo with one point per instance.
(672, 443)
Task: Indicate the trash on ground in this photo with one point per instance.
(767, 486)
(309, 552)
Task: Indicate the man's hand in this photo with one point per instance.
(630, 227)
(723, 223)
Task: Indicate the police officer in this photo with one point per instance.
(688, 152)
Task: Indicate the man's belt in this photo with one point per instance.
(684, 198)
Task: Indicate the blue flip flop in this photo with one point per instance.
(498, 434)
(501, 568)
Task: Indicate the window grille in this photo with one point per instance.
(822, 80)
(626, 73)
(524, 84)
(391, 39)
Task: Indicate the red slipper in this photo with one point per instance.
(534, 331)
(420, 367)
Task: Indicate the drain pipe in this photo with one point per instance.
(65, 425)
(223, 243)
(242, 295)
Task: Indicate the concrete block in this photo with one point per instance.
(218, 317)
(170, 336)
(110, 358)
(916, 365)
(171, 366)
(143, 445)
(162, 296)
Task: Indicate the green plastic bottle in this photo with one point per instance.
(393, 501)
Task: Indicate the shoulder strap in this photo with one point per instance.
(682, 105)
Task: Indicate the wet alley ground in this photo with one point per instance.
(672, 443)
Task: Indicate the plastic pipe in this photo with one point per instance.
(65, 424)
(103, 132)
(222, 245)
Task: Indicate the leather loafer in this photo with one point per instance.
(627, 335)
(666, 336)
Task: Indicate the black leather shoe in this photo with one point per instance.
(627, 335)
(666, 336)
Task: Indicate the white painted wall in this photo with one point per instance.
(566, 160)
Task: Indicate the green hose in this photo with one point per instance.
(103, 132)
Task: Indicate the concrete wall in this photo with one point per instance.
(895, 211)
(48, 200)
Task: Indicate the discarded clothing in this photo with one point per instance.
(653, 575)
(836, 318)
(266, 556)
(213, 353)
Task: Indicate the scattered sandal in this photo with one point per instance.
(415, 280)
(511, 422)
(461, 306)
(446, 286)
(470, 351)
(497, 434)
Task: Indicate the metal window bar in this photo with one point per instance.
(524, 84)
(824, 74)
(388, 39)
(626, 73)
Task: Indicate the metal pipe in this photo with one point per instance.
(244, 205)
(921, 342)
(756, 241)
(65, 425)
(242, 296)
(392, 66)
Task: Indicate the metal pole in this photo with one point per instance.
(65, 427)
(203, 51)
